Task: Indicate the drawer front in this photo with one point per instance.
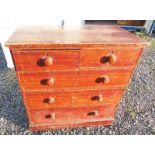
(85, 98)
(46, 60)
(72, 115)
(47, 80)
(93, 98)
(104, 79)
(109, 57)
(61, 80)
(47, 100)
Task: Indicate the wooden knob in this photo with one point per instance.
(50, 116)
(50, 81)
(112, 58)
(48, 61)
(105, 79)
(51, 100)
(93, 113)
(100, 98)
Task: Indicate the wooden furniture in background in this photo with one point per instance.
(73, 77)
(131, 22)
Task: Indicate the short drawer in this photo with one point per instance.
(83, 79)
(72, 115)
(47, 80)
(101, 97)
(106, 58)
(104, 78)
(45, 59)
(76, 99)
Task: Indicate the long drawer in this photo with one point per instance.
(72, 79)
(72, 115)
(76, 99)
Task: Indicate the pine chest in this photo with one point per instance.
(73, 77)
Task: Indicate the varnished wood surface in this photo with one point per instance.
(30, 60)
(75, 99)
(125, 57)
(36, 127)
(34, 59)
(72, 79)
(83, 36)
(66, 74)
(72, 115)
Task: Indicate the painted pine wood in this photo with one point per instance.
(74, 99)
(60, 116)
(84, 36)
(29, 60)
(73, 77)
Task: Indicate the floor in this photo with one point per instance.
(135, 115)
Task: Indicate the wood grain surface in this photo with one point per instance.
(91, 35)
(30, 60)
(72, 79)
(73, 99)
(51, 126)
(72, 115)
(34, 59)
(125, 57)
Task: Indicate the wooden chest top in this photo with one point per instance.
(53, 37)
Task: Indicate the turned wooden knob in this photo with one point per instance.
(100, 98)
(51, 100)
(48, 61)
(112, 58)
(50, 81)
(105, 79)
(93, 113)
(50, 116)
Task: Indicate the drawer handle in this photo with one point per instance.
(112, 58)
(49, 100)
(104, 79)
(50, 81)
(98, 98)
(93, 113)
(50, 116)
(48, 61)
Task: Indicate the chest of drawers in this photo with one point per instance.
(73, 77)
